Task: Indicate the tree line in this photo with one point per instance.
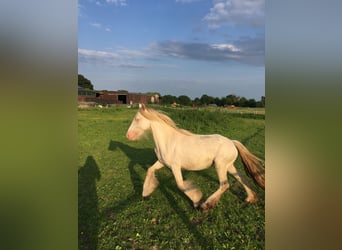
(205, 100)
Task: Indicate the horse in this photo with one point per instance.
(180, 149)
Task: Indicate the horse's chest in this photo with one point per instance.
(165, 158)
(159, 155)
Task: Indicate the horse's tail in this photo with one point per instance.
(252, 164)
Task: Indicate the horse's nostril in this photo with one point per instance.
(129, 136)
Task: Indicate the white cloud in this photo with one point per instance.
(100, 26)
(132, 66)
(80, 10)
(118, 58)
(96, 25)
(97, 54)
(236, 12)
(249, 50)
(117, 2)
(102, 3)
(118, 54)
(186, 1)
(226, 46)
(131, 54)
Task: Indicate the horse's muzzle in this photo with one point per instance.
(130, 136)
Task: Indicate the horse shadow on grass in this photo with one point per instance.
(88, 211)
(142, 158)
(139, 157)
(145, 158)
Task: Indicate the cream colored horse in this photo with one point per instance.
(180, 149)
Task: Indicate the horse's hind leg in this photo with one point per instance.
(151, 182)
(224, 185)
(251, 195)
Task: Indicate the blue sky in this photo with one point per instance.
(177, 47)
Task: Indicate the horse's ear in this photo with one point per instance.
(142, 106)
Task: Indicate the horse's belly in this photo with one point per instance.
(198, 163)
(197, 168)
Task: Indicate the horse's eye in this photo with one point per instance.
(137, 119)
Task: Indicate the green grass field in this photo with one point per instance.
(112, 213)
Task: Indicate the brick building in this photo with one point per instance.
(114, 97)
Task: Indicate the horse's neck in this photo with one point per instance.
(162, 135)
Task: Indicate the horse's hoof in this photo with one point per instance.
(198, 204)
(145, 198)
(206, 206)
(251, 200)
(146, 194)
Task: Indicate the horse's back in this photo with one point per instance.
(223, 146)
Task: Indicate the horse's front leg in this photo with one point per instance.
(151, 182)
(188, 187)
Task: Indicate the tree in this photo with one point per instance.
(168, 99)
(197, 101)
(251, 103)
(84, 82)
(261, 103)
(184, 100)
(219, 101)
(243, 102)
(232, 100)
(205, 99)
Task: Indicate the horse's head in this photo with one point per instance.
(139, 125)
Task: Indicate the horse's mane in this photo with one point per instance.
(154, 115)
